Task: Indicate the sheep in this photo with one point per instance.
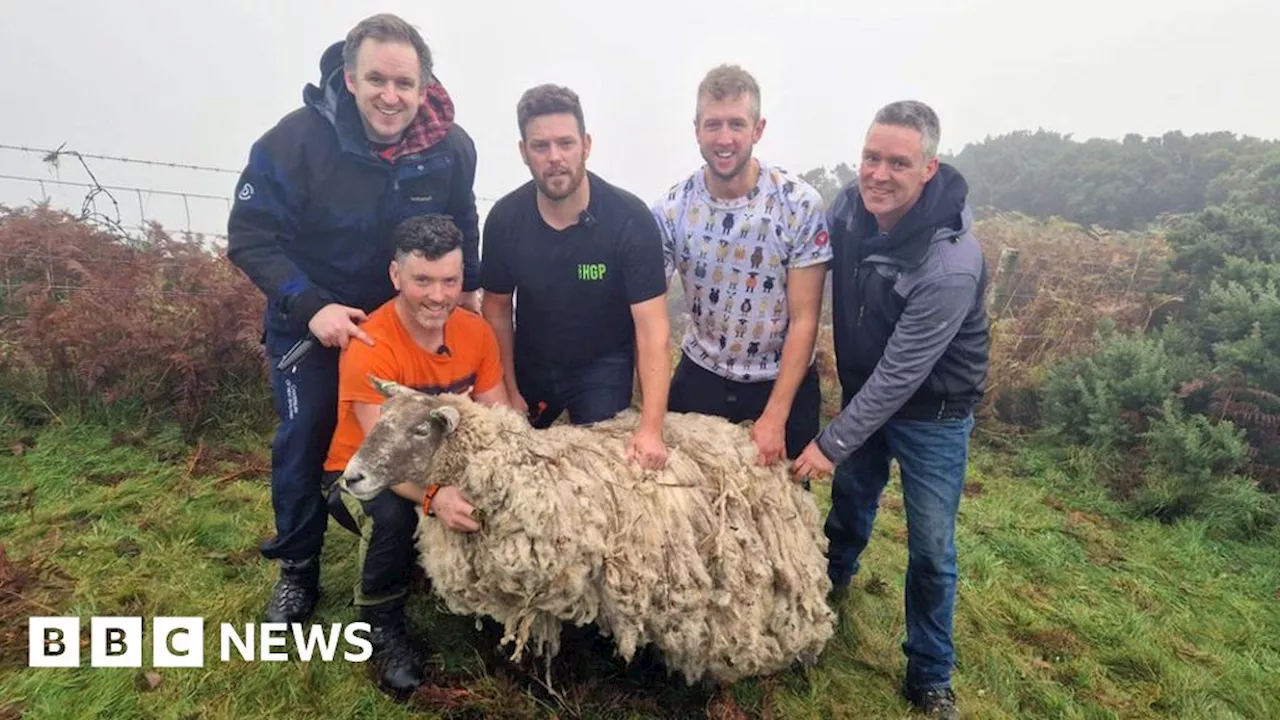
(717, 562)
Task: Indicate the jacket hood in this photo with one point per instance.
(329, 94)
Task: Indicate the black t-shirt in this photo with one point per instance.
(574, 287)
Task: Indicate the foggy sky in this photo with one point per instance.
(198, 82)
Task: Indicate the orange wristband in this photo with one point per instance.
(432, 489)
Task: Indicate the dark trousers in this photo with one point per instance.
(386, 525)
(932, 455)
(306, 401)
(592, 391)
(694, 389)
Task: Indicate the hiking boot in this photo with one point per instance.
(395, 658)
(841, 586)
(295, 595)
(934, 702)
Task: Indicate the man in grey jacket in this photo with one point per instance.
(912, 341)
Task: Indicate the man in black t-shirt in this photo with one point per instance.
(585, 259)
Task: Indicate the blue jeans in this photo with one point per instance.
(932, 455)
(592, 391)
(306, 401)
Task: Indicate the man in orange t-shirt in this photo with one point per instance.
(421, 341)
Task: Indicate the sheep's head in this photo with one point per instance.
(402, 444)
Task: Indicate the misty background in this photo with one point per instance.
(197, 83)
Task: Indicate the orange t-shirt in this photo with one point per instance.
(472, 361)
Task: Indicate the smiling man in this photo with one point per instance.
(584, 261)
(912, 341)
(422, 342)
(749, 242)
(374, 144)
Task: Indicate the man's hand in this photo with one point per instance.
(454, 510)
(770, 437)
(811, 463)
(336, 324)
(517, 400)
(470, 300)
(646, 446)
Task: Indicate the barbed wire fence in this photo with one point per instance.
(101, 204)
(107, 206)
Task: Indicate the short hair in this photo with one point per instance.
(548, 100)
(386, 27)
(917, 116)
(730, 82)
(431, 236)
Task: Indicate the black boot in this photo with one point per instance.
(935, 702)
(395, 658)
(295, 594)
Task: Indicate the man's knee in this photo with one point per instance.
(931, 548)
(392, 515)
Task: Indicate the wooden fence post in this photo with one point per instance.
(1006, 272)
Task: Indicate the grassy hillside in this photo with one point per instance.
(1066, 609)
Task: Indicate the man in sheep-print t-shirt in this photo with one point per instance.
(750, 244)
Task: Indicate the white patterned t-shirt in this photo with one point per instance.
(732, 257)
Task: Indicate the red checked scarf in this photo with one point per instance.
(435, 117)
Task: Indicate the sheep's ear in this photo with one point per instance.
(386, 388)
(447, 417)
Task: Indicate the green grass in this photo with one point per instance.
(1067, 609)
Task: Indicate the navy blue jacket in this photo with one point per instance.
(315, 208)
(911, 330)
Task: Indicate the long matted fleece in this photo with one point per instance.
(716, 561)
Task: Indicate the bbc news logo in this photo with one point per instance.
(179, 642)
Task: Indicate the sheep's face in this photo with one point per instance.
(402, 444)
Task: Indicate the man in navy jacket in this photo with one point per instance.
(912, 341)
(374, 144)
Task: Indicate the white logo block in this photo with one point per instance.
(53, 642)
(177, 642)
(115, 642)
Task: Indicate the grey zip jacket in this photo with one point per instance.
(912, 336)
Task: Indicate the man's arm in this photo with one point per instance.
(497, 311)
(640, 247)
(494, 397)
(929, 322)
(264, 217)
(490, 387)
(499, 285)
(269, 198)
(653, 331)
(804, 306)
(808, 253)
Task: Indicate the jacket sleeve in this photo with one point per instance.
(265, 216)
(462, 208)
(929, 322)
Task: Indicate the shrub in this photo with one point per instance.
(97, 319)
(1192, 466)
(1105, 399)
